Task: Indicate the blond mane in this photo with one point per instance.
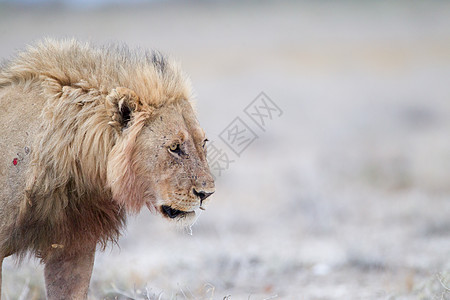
(154, 78)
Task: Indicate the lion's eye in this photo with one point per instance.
(204, 143)
(175, 148)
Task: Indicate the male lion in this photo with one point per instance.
(89, 134)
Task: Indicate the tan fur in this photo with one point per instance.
(92, 128)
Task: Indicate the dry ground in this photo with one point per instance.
(344, 196)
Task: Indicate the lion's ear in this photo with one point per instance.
(121, 103)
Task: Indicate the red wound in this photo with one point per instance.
(15, 161)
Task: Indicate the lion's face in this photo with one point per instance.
(173, 146)
(166, 165)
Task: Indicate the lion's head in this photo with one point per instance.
(159, 159)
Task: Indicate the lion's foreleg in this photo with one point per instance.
(68, 276)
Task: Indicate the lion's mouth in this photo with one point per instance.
(173, 213)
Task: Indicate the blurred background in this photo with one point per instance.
(343, 193)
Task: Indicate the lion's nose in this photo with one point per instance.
(201, 194)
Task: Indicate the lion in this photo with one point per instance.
(89, 135)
